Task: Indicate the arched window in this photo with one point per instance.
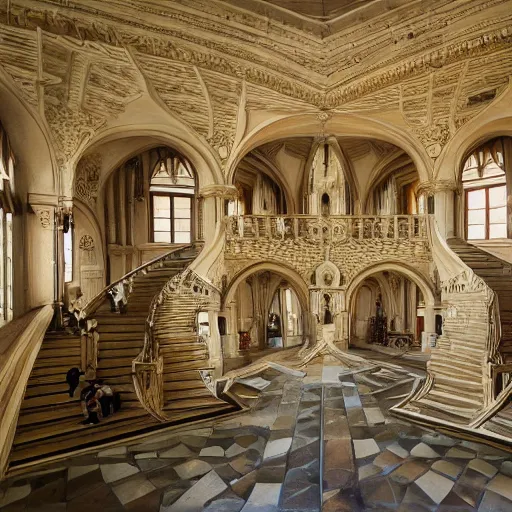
(7, 163)
(484, 183)
(172, 189)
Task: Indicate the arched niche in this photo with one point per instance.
(266, 308)
(327, 275)
(88, 254)
(394, 175)
(328, 186)
(262, 191)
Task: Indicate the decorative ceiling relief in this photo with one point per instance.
(261, 98)
(179, 87)
(87, 179)
(213, 62)
(224, 94)
(19, 56)
(484, 80)
(292, 61)
(93, 85)
(382, 101)
(435, 106)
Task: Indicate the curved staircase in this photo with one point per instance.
(50, 422)
(498, 276)
(468, 386)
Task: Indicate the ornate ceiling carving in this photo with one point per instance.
(81, 62)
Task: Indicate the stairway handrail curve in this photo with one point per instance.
(150, 350)
(91, 306)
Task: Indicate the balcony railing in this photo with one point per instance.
(337, 228)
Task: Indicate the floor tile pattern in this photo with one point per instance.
(325, 442)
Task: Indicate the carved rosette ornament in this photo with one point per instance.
(86, 243)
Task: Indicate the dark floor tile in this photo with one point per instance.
(148, 503)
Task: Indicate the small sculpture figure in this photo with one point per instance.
(327, 309)
(328, 278)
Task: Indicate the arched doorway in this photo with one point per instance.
(263, 311)
(391, 306)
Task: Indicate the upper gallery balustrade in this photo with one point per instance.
(336, 227)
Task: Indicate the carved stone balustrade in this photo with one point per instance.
(332, 229)
(302, 242)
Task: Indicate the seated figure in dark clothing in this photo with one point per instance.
(73, 379)
(98, 401)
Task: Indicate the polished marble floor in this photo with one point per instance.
(324, 441)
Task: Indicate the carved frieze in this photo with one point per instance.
(272, 67)
(87, 179)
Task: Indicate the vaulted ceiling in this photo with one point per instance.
(430, 66)
(321, 9)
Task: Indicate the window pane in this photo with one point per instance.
(476, 217)
(162, 206)
(182, 225)
(162, 225)
(498, 215)
(476, 199)
(163, 236)
(182, 202)
(182, 237)
(181, 213)
(498, 231)
(476, 232)
(497, 196)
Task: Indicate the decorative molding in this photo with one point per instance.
(222, 191)
(87, 179)
(429, 188)
(86, 243)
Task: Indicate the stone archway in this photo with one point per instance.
(337, 124)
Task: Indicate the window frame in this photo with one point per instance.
(486, 188)
(172, 195)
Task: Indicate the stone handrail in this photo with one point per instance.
(332, 227)
(123, 286)
(147, 368)
(20, 341)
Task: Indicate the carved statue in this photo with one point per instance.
(327, 309)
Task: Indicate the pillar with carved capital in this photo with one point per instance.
(213, 198)
(41, 255)
(443, 192)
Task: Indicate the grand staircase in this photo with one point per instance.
(498, 276)
(184, 353)
(460, 389)
(50, 421)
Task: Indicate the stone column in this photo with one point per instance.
(230, 339)
(444, 204)
(213, 198)
(430, 323)
(214, 342)
(41, 250)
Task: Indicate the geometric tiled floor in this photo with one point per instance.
(324, 442)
